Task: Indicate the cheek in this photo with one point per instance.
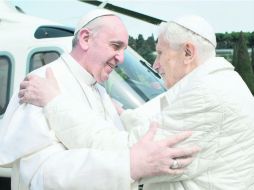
(170, 70)
(169, 74)
(168, 67)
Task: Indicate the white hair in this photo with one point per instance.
(176, 35)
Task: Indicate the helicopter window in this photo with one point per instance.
(132, 83)
(39, 59)
(5, 75)
(53, 32)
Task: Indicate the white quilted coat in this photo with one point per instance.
(214, 103)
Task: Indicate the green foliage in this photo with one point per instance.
(241, 61)
(251, 42)
(227, 40)
(144, 47)
(132, 42)
(235, 56)
(252, 58)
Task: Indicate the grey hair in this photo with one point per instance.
(176, 35)
(93, 26)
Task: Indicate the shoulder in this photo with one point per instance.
(41, 71)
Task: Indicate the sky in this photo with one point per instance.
(224, 15)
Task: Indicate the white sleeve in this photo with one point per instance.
(132, 119)
(24, 131)
(78, 127)
(141, 116)
(84, 169)
(197, 111)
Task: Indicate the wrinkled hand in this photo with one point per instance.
(38, 91)
(151, 158)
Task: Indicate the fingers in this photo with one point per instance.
(24, 96)
(21, 93)
(171, 141)
(26, 89)
(176, 171)
(37, 90)
(181, 162)
(168, 170)
(23, 85)
(26, 82)
(183, 152)
(29, 77)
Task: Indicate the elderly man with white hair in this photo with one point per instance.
(205, 95)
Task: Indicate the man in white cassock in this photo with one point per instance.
(204, 95)
(39, 158)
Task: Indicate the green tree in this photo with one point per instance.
(144, 47)
(251, 45)
(221, 41)
(140, 44)
(150, 48)
(252, 58)
(132, 42)
(227, 40)
(251, 39)
(151, 43)
(235, 56)
(242, 62)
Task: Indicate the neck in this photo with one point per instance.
(79, 58)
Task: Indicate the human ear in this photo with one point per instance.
(83, 38)
(187, 52)
(190, 52)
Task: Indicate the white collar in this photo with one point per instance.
(78, 70)
(211, 65)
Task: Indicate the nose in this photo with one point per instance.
(156, 65)
(120, 56)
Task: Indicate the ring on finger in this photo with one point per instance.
(175, 164)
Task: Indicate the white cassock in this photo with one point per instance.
(216, 105)
(41, 162)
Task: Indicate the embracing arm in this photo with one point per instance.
(78, 127)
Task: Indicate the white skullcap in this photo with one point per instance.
(91, 16)
(199, 26)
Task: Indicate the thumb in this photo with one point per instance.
(152, 131)
(50, 74)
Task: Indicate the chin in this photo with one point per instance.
(104, 79)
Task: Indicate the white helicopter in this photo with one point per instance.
(27, 43)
